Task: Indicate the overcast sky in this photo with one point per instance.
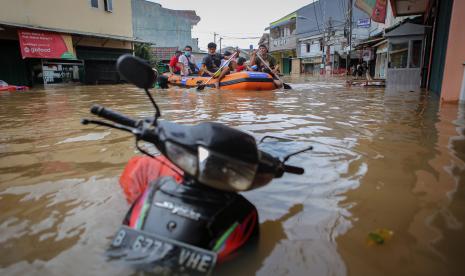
(234, 19)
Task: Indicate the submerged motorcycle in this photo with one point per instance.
(188, 227)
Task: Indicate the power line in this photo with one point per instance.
(250, 37)
(316, 18)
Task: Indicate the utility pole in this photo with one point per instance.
(220, 43)
(328, 42)
(349, 39)
(214, 37)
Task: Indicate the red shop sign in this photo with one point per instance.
(36, 44)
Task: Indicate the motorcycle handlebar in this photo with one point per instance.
(113, 116)
(293, 169)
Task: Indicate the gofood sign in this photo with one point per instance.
(36, 44)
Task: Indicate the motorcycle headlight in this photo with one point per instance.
(182, 158)
(225, 173)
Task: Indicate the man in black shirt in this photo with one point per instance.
(212, 63)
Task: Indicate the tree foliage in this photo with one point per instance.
(143, 50)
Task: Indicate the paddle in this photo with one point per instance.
(202, 85)
(285, 85)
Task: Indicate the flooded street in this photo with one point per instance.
(393, 161)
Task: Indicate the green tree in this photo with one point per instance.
(144, 51)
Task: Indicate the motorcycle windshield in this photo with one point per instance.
(225, 173)
(216, 137)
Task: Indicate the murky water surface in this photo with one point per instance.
(382, 160)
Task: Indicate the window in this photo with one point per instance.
(94, 3)
(274, 33)
(292, 28)
(398, 55)
(108, 5)
(308, 47)
(415, 56)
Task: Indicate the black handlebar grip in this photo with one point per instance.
(293, 169)
(113, 116)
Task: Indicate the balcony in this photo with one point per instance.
(283, 34)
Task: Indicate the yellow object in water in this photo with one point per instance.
(379, 236)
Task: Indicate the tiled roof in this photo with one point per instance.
(164, 53)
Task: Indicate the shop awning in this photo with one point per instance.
(368, 43)
(381, 47)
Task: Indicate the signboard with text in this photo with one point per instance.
(37, 44)
(364, 23)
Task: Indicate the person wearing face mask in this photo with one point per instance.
(189, 64)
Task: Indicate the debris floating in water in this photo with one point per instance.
(379, 236)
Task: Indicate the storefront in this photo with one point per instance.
(100, 64)
(42, 57)
(50, 56)
(311, 65)
(61, 72)
(381, 59)
(405, 45)
(284, 60)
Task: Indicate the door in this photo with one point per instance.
(286, 66)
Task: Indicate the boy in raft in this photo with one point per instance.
(174, 68)
(270, 61)
(242, 66)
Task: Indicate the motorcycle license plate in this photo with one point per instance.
(151, 252)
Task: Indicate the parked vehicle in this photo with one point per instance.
(189, 226)
(10, 88)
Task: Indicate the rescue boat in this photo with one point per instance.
(245, 80)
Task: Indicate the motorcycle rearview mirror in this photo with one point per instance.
(140, 73)
(136, 71)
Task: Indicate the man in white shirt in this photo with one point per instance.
(188, 62)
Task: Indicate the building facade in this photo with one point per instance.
(444, 50)
(283, 41)
(92, 45)
(163, 27)
(315, 37)
(404, 44)
(424, 46)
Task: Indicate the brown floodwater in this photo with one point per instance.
(382, 161)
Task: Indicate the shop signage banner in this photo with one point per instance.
(376, 9)
(37, 44)
(367, 54)
(364, 23)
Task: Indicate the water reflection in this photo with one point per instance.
(410, 191)
(380, 160)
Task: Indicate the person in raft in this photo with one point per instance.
(174, 68)
(188, 62)
(242, 65)
(269, 60)
(232, 62)
(212, 63)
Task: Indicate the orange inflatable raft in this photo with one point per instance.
(245, 80)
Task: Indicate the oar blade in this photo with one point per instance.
(286, 86)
